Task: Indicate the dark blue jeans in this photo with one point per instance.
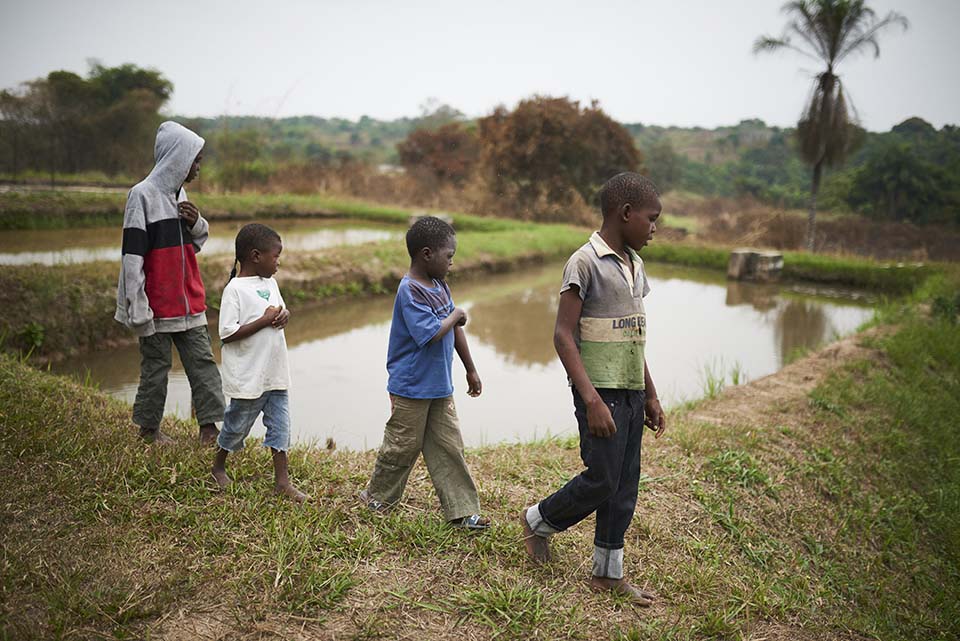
(610, 483)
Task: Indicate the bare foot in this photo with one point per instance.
(622, 588)
(208, 434)
(220, 476)
(290, 492)
(538, 548)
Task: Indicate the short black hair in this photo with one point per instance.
(628, 187)
(428, 231)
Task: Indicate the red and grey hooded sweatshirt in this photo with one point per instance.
(160, 289)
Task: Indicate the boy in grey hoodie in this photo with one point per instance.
(160, 295)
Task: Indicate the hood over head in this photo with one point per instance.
(174, 152)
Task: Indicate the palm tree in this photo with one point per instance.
(827, 31)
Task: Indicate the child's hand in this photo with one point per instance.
(282, 318)
(269, 315)
(462, 320)
(474, 387)
(599, 419)
(654, 418)
(189, 212)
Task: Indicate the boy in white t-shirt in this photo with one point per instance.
(255, 373)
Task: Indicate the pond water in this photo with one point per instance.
(698, 323)
(62, 246)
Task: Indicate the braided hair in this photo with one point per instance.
(250, 237)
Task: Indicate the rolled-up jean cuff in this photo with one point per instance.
(607, 563)
(227, 444)
(537, 523)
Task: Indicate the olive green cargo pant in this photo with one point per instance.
(156, 359)
(429, 426)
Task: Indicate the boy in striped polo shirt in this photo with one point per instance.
(600, 336)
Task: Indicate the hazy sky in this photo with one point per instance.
(686, 62)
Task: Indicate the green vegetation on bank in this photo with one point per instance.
(74, 209)
(69, 308)
(832, 514)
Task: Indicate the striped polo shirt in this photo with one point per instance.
(612, 331)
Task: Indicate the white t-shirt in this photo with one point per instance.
(257, 363)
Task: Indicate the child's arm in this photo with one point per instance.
(654, 418)
(136, 312)
(599, 420)
(456, 317)
(474, 387)
(251, 328)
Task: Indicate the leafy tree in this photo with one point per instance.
(434, 114)
(664, 164)
(828, 31)
(896, 183)
(771, 172)
(65, 122)
(18, 121)
(239, 158)
(448, 153)
(917, 127)
(549, 149)
(111, 84)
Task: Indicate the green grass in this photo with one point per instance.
(689, 255)
(70, 308)
(889, 278)
(840, 518)
(70, 209)
(895, 279)
(42, 178)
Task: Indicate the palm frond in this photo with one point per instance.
(867, 35)
(769, 44)
(809, 24)
(810, 37)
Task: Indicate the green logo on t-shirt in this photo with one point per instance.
(264, 294)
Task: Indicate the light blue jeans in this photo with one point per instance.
(242, 413)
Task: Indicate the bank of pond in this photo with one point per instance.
(705, 332)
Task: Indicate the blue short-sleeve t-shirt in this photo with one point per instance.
(417, 368)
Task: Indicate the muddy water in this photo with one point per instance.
(698, 322)
(61, 246)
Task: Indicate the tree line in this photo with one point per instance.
(542, 159)
(65, 123)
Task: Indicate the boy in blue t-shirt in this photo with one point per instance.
(426, 328)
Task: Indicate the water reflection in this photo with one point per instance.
(518, 321)
(761, 296)
(800, 325)
(338, 351)
(63, 246)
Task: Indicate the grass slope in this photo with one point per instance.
(822, 514)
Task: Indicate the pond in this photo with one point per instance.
(62, 246)
(700, 325)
